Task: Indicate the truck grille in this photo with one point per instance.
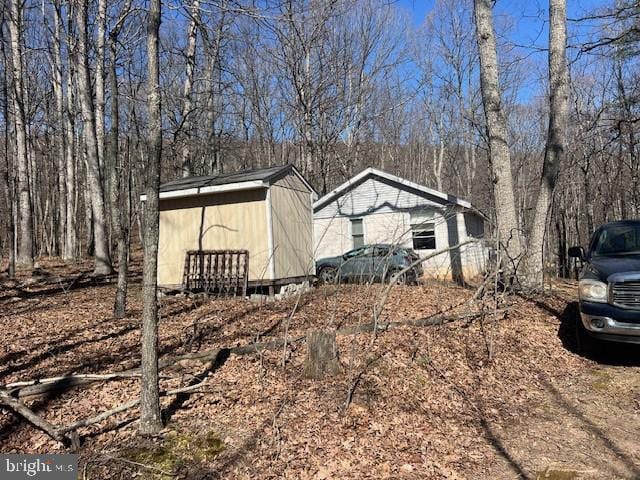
(626, 294)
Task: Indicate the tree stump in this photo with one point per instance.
(322, 354)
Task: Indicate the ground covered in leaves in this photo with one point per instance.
(504, 396)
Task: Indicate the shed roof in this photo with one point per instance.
(227, 182)
(395, 180)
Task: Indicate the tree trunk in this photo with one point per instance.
(496, 124)
(25, 236)
(555, 150)
(8, 177)
(57, 70)
(322, 354)
(120, 173)
(150, 420)
(187, 106)
(70, 243)
(101, 20)
(102, 264)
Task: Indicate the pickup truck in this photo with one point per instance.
(609, 284)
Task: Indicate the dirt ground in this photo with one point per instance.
(505, 397)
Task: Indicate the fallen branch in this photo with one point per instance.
(60, 433)
(89, 377)
(34, 388)
(124, 407)
(21, 409)
(422, 322)
(67, 382)
(378, 307)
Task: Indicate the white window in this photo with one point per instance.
(423, 230)
(357, 232)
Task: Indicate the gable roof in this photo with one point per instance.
(228, 182)
(395, 180)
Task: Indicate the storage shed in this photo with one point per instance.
(378, 207)
(266, 211)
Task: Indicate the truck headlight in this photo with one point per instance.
(592, 291)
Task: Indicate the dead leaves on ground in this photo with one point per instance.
(429, 406)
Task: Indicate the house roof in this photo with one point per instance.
(228, 182)
(398, 181)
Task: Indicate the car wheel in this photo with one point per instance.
(398, 279)
(328, 275)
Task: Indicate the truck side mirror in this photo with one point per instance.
(576, 252)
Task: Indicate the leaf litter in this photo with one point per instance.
(462, 400)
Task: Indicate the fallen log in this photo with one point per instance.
(34, 388)
(88, 377)
(25, 412)
(63, 383)
(60, 433)
(124, 407)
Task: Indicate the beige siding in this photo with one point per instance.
(235, 220)
(291, 220)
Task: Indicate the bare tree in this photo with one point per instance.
(99, 94)
(70, 251)
(8, 177)
(555, 150)
(150, 420)
(57, 69)
(120, 169)
(496, 124)
(187, 114)
(94, 176)
(25, 236)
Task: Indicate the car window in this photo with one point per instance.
(359, 252)
(354, 253)
(617, 240)
(381, 251)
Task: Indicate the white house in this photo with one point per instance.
(377, 207)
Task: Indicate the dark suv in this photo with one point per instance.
(609, 287)
(382, 262)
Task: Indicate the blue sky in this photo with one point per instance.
(419, 8)
(530, 15)
(528, 21)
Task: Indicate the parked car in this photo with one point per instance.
(378, 262)
(609, 285)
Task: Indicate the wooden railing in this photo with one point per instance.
(223, 273)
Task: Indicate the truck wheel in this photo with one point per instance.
(586, 345)
(328, 275)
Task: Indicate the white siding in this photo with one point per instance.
(373, 196)
(332, 236)
(386, 214)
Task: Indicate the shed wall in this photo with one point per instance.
(234, 220)
(292, 226)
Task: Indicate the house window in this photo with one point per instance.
(424, 236)
(423, 231)
(357, 232)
